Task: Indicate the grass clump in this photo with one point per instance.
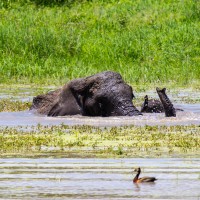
(128, 141)
(146, 41)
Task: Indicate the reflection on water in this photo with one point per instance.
(51, 178)
(190, 115)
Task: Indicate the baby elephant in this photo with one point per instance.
(156, 106)
(151, 106)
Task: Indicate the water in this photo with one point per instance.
(190, 115)
(24, 93)
(64, 178)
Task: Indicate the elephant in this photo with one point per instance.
(104, 94)
(156, 106)
(167, 104)
(151, 106)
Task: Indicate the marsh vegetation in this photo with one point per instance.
(127, 141)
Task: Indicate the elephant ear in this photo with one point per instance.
(66, 104)
(55, 110)
(70, 101)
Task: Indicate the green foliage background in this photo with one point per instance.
(147, 41)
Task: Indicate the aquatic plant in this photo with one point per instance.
(9, 105)
(126, 141)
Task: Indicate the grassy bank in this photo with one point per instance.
(146, 41)
(86, 141)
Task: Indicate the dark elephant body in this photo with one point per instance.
(155, 106)
(152, 106)
(103, 94)
(49, 102)
(167, 104)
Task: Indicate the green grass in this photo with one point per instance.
(128, 141)
(146, 41)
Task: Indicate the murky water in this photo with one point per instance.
(24, 93)
(190, 115)
(63, 178)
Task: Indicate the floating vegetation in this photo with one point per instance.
(9, 105)
(188, 100)
(126, 141)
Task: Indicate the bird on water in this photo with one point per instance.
(144, 179)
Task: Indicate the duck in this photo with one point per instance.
(144, 179)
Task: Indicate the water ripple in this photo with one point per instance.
(50, 178)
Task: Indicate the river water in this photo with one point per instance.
(64, 178)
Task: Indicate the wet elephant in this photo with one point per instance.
(103, 94)
(152, 106)
(159, 106)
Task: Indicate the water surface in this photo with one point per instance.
(68, 178)
(190, 115)
(64, 178)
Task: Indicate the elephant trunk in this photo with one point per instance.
(167, 104)
(125, 108)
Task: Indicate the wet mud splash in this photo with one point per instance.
(49, 178)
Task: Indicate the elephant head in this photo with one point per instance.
(168, 106)
(103, 94)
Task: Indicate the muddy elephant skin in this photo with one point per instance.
(167, 104)
(151, 106)
(154, 106)
(103, 94)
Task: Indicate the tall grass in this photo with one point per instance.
(146, 41)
